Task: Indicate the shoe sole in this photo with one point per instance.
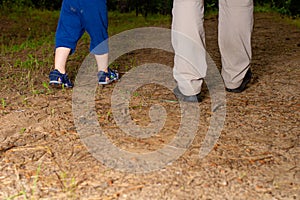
(58, 85)
(108, 82)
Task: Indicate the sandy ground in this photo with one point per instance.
(256, 157)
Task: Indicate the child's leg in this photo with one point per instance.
(105, 74)
(96, 23)
(58, 76)
(61, 56)
(102, 62)
(68, 32)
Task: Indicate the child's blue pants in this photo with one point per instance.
(78, 16)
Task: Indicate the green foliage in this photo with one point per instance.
(286, 7)
(294, 7)
(15, 3)
(44, 4)
(143, 7)
(119, 22)
(3, 102)
(146, 7)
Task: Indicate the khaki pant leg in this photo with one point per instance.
(235, 29)
(189, 61)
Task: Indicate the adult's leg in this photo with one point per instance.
(188, 40)
(235, 29)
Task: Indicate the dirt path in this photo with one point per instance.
(256, 157)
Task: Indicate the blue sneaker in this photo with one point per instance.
(58, 79)
(107, 77)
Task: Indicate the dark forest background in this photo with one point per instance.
(146, 7)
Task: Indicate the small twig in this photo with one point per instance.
(252, 158)
(6, 149)
(169, 101)
(22, 148)
(60, 181)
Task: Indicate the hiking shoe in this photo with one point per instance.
(107, 77)
(242, 87)
(182, 97)
(58, 79)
